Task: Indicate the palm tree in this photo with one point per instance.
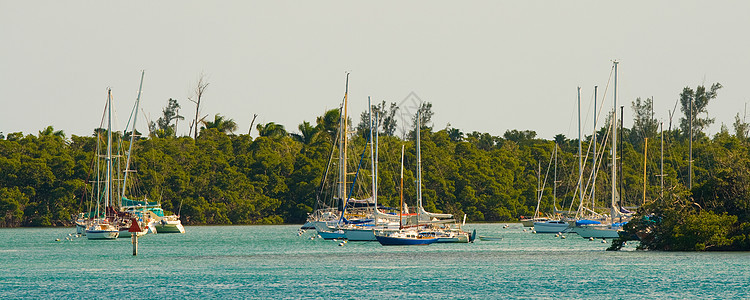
(329, 123)
(307, 133)
(271, 129)
(50, 131)
(221, 124)
(455, 134)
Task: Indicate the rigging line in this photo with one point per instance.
(546, 175)
(594, 171)
(606, 88)
(354, 180)
(330, 161)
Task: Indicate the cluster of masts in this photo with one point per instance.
(370, 223)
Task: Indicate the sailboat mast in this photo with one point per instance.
(377, 156)
(538, 188)
(614, 145)
(401, 191)
(554, 185)
(372, 161)
(594, 168)
(98, 172)
(661, 171)
(419, 169)
(108, 178)
(132, 136)
(622, 156)
(580, 156)
(343, 144)
(690, 158)
(645, 155)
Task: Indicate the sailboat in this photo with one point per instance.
(380, 221)
(529, 221)
(102, 227)
(433, 229)
(331, 220)
(595, 229)
(545, 225)
(406, 236)
(133, 213)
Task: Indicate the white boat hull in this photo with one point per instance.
(322, 226)
(530, 222)
(80, 228)
(170, 228)
(360, 234)
(102, 234)
(597, 231)
(550, 227)
(330, 235)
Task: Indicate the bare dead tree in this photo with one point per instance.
(200, 88)
(251, 124)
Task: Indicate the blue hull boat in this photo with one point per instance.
(405, 241)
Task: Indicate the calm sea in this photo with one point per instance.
(272, 262)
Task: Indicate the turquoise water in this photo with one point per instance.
(272, 262)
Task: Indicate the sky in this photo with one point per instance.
(486, 66)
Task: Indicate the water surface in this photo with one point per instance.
(273, 262)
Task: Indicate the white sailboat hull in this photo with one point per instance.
(170, 227)
(81, 228)
(102, 234)
(360, 234)
(597, 231)
(551, 226)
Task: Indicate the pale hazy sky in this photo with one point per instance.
(486, 66)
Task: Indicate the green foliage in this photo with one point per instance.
(698, 100)
(741, 128)
(221, 124)
(222, 178)
(163, 126)
(272, 130)
(644, 124)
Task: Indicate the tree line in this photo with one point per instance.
(218, 177)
